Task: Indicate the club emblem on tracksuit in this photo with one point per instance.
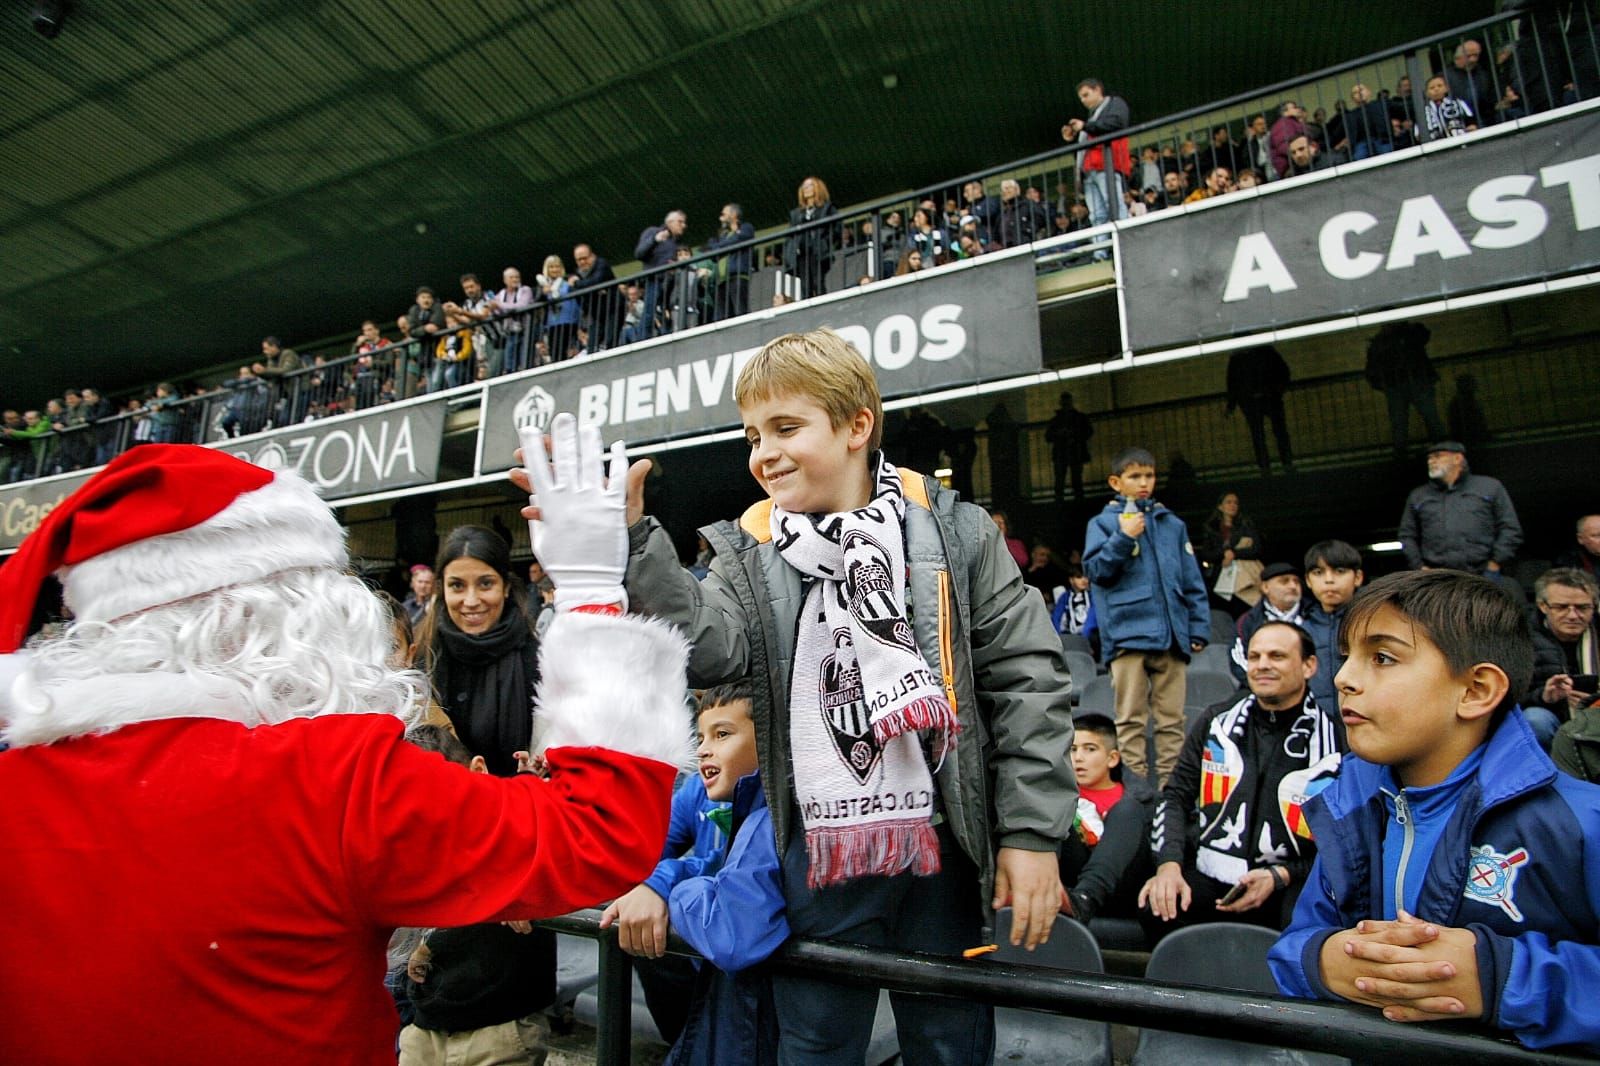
(1492, 878)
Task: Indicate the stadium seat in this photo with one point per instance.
(1217, 955)
(1192, 713)
(1076, 642)
(1222, 626)
(1098, 696)
(1118, 934)
(1215, 657)
(1027, 1037)
(1082, 668)
(1207, 687)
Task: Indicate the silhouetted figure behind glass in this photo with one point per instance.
(1257, 379)
(1468, 423)
(1005, 458)
(1398, 367)
(1068, 433)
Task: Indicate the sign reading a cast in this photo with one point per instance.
(969, 325)
(385, 448)
(1478, 215)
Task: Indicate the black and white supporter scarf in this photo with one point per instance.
(860, 694)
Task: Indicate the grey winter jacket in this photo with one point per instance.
(1462, 526)
(1009, 782)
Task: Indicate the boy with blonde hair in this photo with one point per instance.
(911, 707)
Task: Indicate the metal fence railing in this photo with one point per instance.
(1359, 1033)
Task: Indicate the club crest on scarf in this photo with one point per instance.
(871, 589)
(845, 709)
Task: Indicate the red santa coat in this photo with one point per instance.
(194, 891)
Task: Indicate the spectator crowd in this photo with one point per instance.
(566, 312)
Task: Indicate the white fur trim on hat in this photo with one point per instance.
(281, 526)
(615, 683)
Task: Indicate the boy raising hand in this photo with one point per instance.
(1458, 873)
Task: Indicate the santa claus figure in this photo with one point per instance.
(212, 819)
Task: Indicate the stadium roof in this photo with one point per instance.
(179, 178)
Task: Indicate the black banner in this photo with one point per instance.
(1464, 216)
(973, 324)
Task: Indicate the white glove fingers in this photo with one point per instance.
(591, 458)
(564, 443)
(617, 483)
(534, 459)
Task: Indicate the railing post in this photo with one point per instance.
(614, 1013)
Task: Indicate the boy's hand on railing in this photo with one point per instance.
(1414, 971)
(1030, 883)
(641, 920)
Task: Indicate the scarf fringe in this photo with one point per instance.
(927, 712)
(843, 853)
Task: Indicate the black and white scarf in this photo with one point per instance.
(860, 694)
(1306, 764)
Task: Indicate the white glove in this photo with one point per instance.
(581, 537)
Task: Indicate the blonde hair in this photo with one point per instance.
(823, 196)
(556, 259)
(821, 366)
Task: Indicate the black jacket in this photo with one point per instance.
(1021, 222)
(1256, 374)
(484, 975)
(1110, 872)
(811, 249)
(594, 305)
(1550, 657)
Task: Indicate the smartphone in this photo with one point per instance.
(1585, 683)
(1232, 895)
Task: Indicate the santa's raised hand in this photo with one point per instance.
(579, 532)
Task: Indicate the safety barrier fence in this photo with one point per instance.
(1358, 1033)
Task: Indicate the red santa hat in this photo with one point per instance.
(162, 523)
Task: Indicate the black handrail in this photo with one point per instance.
(1338, 1029)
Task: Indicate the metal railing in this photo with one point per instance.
(1545, 59)
(1360, 1033)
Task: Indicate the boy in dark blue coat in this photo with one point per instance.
(1333, 574)
(1458, 873)
(1150, 603)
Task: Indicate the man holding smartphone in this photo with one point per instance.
(1229, 839)
(1566, 650)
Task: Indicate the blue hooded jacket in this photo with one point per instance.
(695, 842)
(735, 918)
(1149, 599)
(1518, 863)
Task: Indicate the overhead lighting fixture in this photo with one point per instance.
(943, 471)
(48, 15)
(1386, 546)
(890, 81)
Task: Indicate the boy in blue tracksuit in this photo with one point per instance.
(1150, 603)
(733, 912)
(1458, 873)
(697, 837)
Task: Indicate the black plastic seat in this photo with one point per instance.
(1023, 1038)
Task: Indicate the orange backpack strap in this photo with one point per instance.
(757, 521)
(915, 487)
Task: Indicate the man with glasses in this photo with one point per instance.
(1566, 649)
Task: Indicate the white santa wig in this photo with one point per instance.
(250, 615)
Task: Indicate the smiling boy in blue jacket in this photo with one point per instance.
(733, 912)
(1149, 601)
(1458, 873)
